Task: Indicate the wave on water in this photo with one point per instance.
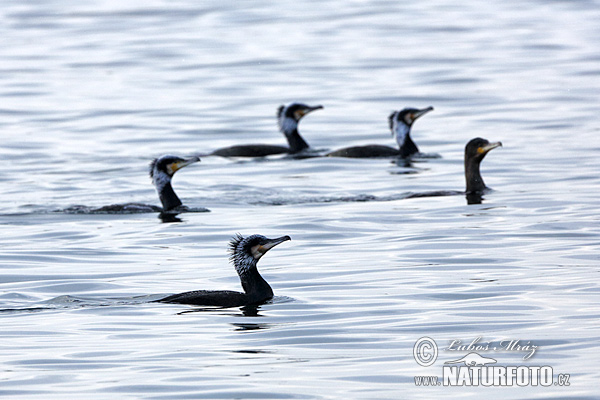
(66, 302)
(426, 156)
(130, 208)
(360, 198)
(71, 302)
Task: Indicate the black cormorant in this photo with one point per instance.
(475, 151)
(400, 124)
(288, 118)
(245, 253)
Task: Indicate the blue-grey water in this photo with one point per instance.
(90, 92)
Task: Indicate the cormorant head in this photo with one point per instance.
(406, 117)
(168, 165)
(477, 148)
(401, 121)
(246, 251)
(289, 116)
(475, 151)
(161, 171)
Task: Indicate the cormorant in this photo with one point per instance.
(245, 253)
(400, 124)
(475, 152)
(288, 118)
(161, 171)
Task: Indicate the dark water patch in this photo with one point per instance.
(63, 364)
(425, 156)
(589, 72)
(307, 200)
(68, 302)
(463, 296)
(372, 378)
(209, 392)
(25, 310)
(15, 112)
(363, 198)
(434, 193)
(24, 392)
(177, 14)
(23, 94)
(235, 64)
(403, 99)
(103, 64)
(131, 208)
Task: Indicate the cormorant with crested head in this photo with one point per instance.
(245, 253)
(162, 170)
(400, 124)
(288, 118)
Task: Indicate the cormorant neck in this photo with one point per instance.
(297, 144)
(166, 194)
(255, 287)
(289, 127)
(473, 176)
(406, 146)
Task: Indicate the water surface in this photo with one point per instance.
(91, 92)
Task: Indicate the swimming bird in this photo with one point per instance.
(245, 253)
(288, 118)
(475, 151)
(400, 124)
(161, 171)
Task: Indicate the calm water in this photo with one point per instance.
(91, 92)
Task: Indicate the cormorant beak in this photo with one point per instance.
(302, 112)
(259, 250)
(176, 166)
(416, 115)
(488, 147)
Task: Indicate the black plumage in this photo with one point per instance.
(400, 123)
(475, 151)
(288, 118)
(245, 253)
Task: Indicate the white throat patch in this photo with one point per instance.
(160, 179)
(400, 132)
(286, 124)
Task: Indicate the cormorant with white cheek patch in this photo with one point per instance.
(400, 124)
(288, 118)
(245, 253)
(161, 171)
